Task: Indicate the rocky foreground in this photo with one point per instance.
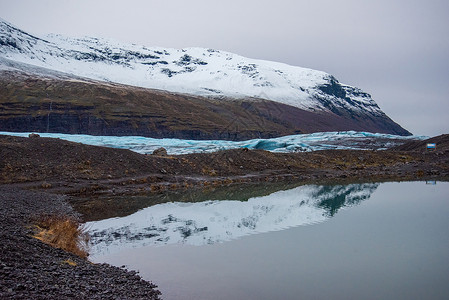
(39, 175)
(30, 269)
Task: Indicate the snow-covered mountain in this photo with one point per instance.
(224, 220)
(201, 72)
(197, 71)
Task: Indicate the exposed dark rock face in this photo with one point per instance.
(333, 88)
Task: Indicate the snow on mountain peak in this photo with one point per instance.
(197, 71)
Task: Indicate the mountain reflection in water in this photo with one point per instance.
(218, 221)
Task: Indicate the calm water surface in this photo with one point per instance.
(359, 241)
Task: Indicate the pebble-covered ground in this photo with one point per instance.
(30, 269)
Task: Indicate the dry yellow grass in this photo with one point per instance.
(63, 232)
(69, 262)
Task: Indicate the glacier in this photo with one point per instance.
(218, 221)
(343, 140)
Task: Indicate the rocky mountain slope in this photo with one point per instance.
(162, 92)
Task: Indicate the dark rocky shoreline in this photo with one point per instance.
(30, 269)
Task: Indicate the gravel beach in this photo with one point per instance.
(31, 269)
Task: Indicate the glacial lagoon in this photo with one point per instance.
(356, 241)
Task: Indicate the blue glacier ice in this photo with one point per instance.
(292, 143)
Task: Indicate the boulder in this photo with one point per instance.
(160, 152)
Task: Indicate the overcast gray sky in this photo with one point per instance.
(396, 50)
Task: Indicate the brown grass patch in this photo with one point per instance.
(70, 262)
(63, 232)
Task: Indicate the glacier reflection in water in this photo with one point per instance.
(218, 221)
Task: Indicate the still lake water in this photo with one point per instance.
(358, 241)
